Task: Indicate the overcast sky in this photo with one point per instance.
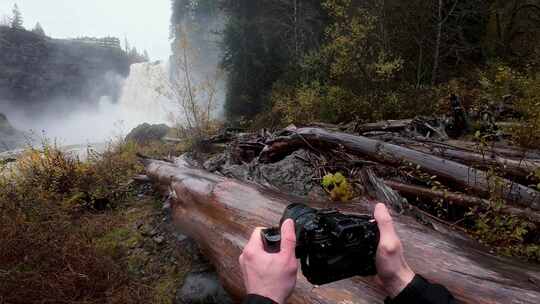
(144, 22)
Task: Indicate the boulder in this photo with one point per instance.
(146, 133)
(10, 138)
(202, 288)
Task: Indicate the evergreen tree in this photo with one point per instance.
(17, 20)
(146, 56)
(5, 20)
(127, 46)
(38, 29)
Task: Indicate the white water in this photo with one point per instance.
(143, 95)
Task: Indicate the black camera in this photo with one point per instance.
(330, 245)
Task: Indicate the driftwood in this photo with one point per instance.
(220, 214)
(457, 199)
(466, 177)
(498, 149)
(514, 167)
(386, 125)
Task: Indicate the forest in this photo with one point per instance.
(343, 60)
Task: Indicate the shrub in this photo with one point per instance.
(50, 227)
(502, 87)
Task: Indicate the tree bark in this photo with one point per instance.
(466, 177)
(221, 213)
(437, 44)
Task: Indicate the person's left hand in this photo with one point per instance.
(271, 275)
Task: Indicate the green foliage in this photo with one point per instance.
(520, 90)
(507, 234)
(337, 185)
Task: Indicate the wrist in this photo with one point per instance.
(269, 295)
(396, 284)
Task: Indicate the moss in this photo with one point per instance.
(165, 288)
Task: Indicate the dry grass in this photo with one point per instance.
(57, 216)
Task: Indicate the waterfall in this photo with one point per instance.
(144, 95)
(72, 122)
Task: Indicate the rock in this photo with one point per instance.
(202, 288)
(146, 133)
(10, 138)
(215, 162)
(292, 174)
(159, 239)
(146, 230)
(180, 237)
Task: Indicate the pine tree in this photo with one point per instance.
(38, 29)
(146, 56)
(17, 20)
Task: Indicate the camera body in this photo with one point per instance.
(330, 245)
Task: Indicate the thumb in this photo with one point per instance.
(385, 224)
(288, 237)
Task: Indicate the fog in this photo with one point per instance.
(71, 121)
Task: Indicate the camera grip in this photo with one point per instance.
(271, 238)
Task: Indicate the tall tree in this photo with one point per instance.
(17, 19)
(38, 29)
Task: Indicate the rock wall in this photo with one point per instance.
(35, 68)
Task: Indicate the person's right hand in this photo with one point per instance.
(393, 272)
(271, 275)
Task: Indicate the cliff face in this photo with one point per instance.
(35, 68)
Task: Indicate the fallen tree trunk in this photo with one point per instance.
(220, 214)
(462, 175)
(519, 168)
(457, 199)
(501, 150)
(385, 125)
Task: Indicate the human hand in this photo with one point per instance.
(393, 272)
(271, 275)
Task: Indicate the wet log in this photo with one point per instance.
(498, 149)
(386, 125)
(464, 176)
(457, 199)
(515, 167)
(220, 214)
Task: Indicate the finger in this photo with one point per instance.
(385, 224)
(255, 241)
(288, 237)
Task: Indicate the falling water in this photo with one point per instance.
(145, 95)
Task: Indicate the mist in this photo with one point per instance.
(71, 121)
